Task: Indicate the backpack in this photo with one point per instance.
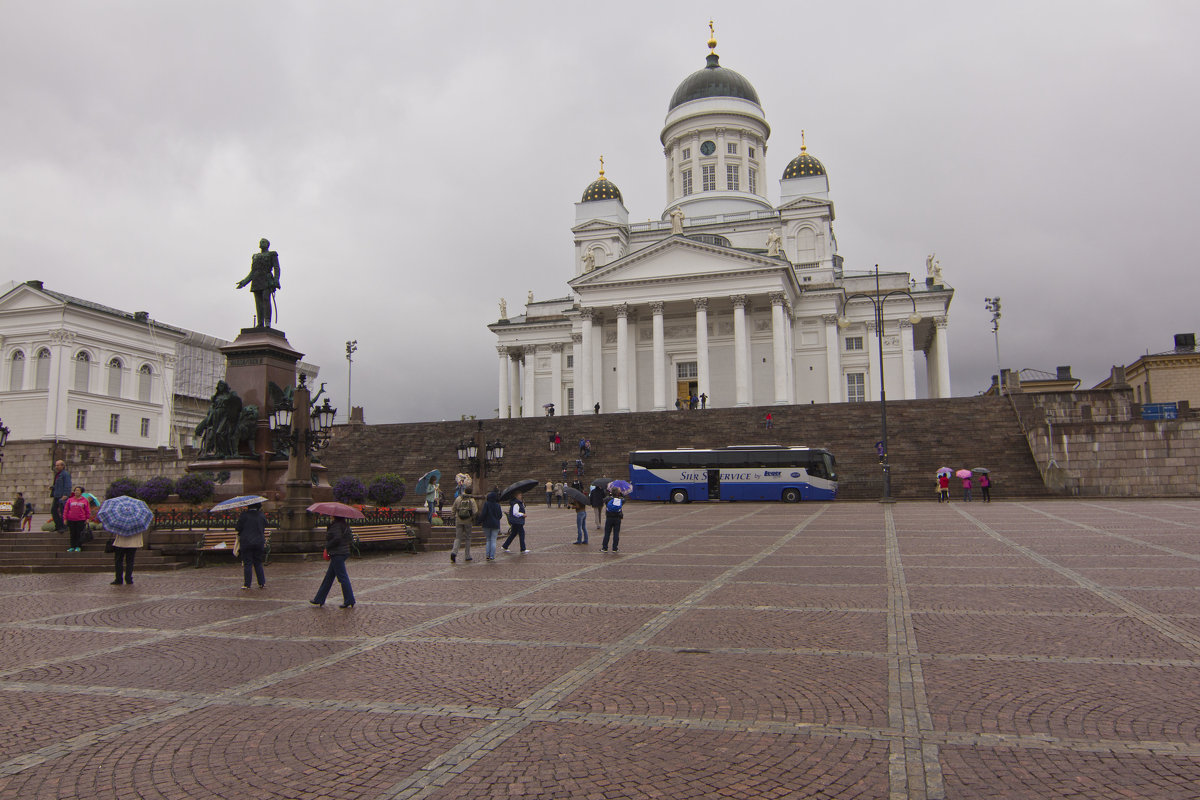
(464, 508)
(613, 506)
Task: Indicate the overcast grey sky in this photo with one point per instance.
(412, 163)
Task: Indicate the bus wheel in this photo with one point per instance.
(791, 495)
(678, 496)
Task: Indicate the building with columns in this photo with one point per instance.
(727, 297)
(72, 370)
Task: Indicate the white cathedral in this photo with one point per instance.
(726, 301)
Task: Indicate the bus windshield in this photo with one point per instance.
(738, 472)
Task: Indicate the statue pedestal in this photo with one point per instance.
(255, 360)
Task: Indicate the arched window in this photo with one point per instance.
(806, 245)
(83, 367)
(114, 378)
(145, 375)
(16, 375)
(43, 369)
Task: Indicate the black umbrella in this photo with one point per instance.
(574, 494)
(520, 486)
(602, 483)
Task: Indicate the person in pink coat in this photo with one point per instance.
(76, 511)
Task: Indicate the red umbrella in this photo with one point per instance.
(336, 510)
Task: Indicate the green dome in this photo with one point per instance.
(713, 81)
(803, 166)
(601, 189)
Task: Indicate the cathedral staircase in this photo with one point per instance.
(40, 551)
(923, 435)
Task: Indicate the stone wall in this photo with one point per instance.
(29, 467)
(1095, 444)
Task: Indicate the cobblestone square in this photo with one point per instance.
(1041, 649)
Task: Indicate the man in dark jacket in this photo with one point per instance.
(596, 501)
(252, 544)
(489, 520)
(60, 491)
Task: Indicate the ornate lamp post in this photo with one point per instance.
(301, 431)
(877, 301)
(468, 451)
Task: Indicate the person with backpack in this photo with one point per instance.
(464, 509)
(613, 514)
(516, 519)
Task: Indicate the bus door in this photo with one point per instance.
(714, 484)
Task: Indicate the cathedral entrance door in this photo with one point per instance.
(684, 391)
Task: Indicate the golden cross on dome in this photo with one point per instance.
(803, 146)
(601, 166)
(712, 36)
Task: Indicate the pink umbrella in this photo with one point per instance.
(963, 473)
(336, 510)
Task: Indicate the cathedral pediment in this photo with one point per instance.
(594, 225)
(25, 298)
(678, 258)
(806, 203)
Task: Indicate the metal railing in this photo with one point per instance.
(176, 520)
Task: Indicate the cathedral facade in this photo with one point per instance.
(726, 300)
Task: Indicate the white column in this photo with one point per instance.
(598, 363)
(833, 358)
(778, 348)
(56, 397)
(503, 383)
(660, 356)
(514, 384)
(583, 364)
(169, 362)
(556, 384)
(702, 346)
(874, 384)
(577, 358)
(906, 360)
(622, 357)
(529, 404)
(632, 371)
(943, 357)
(741, 366)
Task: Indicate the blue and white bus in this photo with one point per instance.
(740, 472)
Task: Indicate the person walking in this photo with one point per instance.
(985, 487)
(27, 520)
(597, 407)
(489, 519)
(60, 490)
(613, 514)
(967, 489)
(558, 494)
(581, 534)
(596, 500)
(944, 487)
(464, 509)
(704, 400)
(76, 511)
(516, 519)
(770, 421)
(252, 544)
(124, 550)
(338, 537)
(549, 493)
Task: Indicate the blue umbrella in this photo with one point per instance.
(239, 502)
(620, 487)
(125, 516)
(434, 475)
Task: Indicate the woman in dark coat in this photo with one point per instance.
(337, 543)
(252, 544)
(489, 519)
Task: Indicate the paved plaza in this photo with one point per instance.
(1043, 649)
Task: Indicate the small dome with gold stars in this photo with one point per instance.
(803, 165)
(601, 188)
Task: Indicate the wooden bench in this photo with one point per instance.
(374, 534)
(222, 541)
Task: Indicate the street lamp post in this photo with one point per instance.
(351, 349)
(302, 430)
(468, 452)
(992, 304)
(877, 301)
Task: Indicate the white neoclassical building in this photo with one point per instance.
(728, 297)
(72, 370)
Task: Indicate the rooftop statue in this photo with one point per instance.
(263, 280)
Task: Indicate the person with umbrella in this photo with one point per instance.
(596, 498)
(252, 544)
(338, 538)
(965, 474)
(516, 519)
(985, 484)
(126, 518)
(579, 502)
(943, 479)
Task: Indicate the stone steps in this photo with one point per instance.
(47, 552)
(923, 436)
